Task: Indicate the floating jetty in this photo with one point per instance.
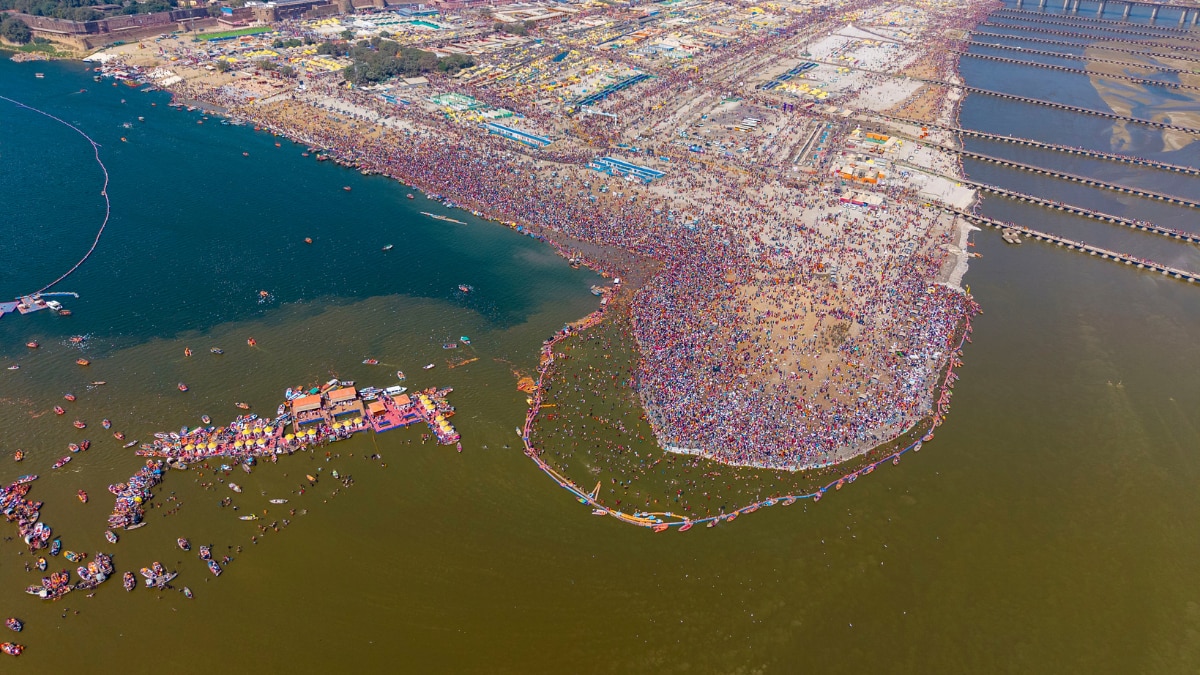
(1027, 99)
(1088, 36)
(1069, 24)
(1115, 256)
(35, 302)
(1089, 19)
(1073, 57)
(1083, 45)
(1143, 225)
(1076, 71)
(1016, 140)
(1074, 178)
(320, 415)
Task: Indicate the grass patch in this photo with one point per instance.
(225, 34)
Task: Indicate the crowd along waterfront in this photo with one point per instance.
(1069, 437)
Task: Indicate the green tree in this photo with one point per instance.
(347, 34)
(16, 30)
(223, 66)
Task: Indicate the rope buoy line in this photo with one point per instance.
(103, 191)
(658, 521)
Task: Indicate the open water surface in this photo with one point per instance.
(1050, 526)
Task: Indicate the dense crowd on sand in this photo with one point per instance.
(751, 354)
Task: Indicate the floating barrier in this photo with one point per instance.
(661, 522)
(103, 192)
(1074, 57)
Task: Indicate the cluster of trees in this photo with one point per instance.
(379, 60)
(280, 43)
(514, 28)
(15, 30)
(82, 10)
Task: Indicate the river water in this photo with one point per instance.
(1047, 528)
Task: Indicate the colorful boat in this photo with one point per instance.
(79, 424)
(32, 344)
(14, 624)
(62, 462)
(69, 396)
(182, 387)
(215, 568)
(184, 544)
(129, 581)
(11, 648)
(83, 362)
(58, 410)
(106, 423)
(371, 362)
(83, 496)
(111, 536)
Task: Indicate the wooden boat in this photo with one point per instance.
(130, 444)
(243, 406)
(429, 366)
(32, 344)
(110, 536)
(106, 423)
(252, 342)
(129, 581)
(247, 517)
(79, 424)
(184, 544)
(308, 240)
(12, 648)
(182, 387)
(388, 247)
(206, 419)
(18, 455)
(69, 396)
(73, 447)
(310, 478)
(99, 383)
(62, 462)
(687, 525)
(187, 592)
(371, 362)
(216, 350)
(187, 351)
(14, 624)
(77, 339)
(118, 435)
(400, 375)
(235, 487)
(83, 496)
(278, 501)
(83, 362)
(58, 410)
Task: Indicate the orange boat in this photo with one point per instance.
(58, 410)
(69, 397)
(32, 344)
(18, 455)
(82, 496)
(79, 424)
(308, 240)
(187, 351)
(83, 362)
(118, 435)
(251, 341)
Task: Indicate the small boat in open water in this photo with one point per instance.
(182, 387)
(371, 362)
(83, 362)
(216, 350)
(388, 247)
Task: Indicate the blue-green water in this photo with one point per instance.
(1048, 528)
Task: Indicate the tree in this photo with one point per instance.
(347, 34)
(16, 31)
(287, 71)
(223, 66)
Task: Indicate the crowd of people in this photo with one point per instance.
(753, 352)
